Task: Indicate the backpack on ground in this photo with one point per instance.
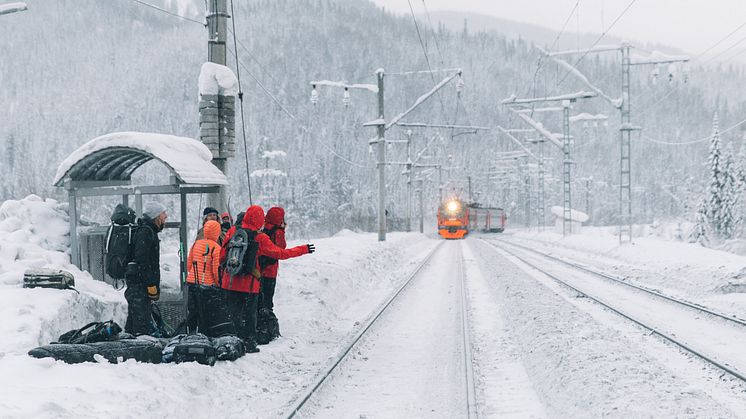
(119, 241)
(241, 254)
(49, 278)
(229, 348)
(92, 332)
(267, 326)
(195, 348)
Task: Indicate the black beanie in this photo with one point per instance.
(210, 210)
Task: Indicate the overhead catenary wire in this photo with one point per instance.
(427, 59)
(631, 3)
(697, 57)
(701, 140)
(162, 10)
(435, 35)
(240, 98)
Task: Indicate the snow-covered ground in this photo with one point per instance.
(714, 278)
(321, 301)
(538, 350)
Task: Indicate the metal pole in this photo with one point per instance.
(527, 192)
(381, 162)
(470, 198)
(542, 216)
(440, 183)
(74, 249)
(409, 180)
(567, 165)
(422, 207)
(625, 177)
(217, 35)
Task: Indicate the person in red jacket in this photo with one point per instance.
(242, 290)
(274, 227)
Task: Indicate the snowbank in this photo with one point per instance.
(321, 300)
(34, 233)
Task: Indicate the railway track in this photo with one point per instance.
(731, 318)
(703, 336)
(304, 403)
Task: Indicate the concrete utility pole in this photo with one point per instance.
(217, 34)
(381, 161)
(623, 104)
(421, 184)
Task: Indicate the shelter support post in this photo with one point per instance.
(183, 250)
(126, 200)
(74, 249)
(138, 203)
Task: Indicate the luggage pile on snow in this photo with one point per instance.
(105, 340)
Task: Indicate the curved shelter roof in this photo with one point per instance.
(114, 157)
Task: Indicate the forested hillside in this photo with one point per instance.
(135, 69)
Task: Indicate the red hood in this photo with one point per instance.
(254, 218)
(275, 216)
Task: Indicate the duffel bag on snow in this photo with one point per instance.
(48, 278)
(113, 351)
(267, 327)
(195, 348)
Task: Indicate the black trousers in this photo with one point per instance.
(139, 310)
(207, 311)
(267, 293)
(242, 308)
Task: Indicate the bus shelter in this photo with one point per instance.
(104, 167)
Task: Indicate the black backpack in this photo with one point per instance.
(267, 326)
(92, 332)
(119, 241)
(241, 254)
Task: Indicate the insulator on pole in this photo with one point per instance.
(314, 95)
(346, 97)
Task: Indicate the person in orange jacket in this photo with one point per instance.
(205, 309)
(241, 291)
(274, 227)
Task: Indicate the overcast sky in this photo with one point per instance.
(692, 25)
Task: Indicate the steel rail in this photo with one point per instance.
(654, 331)
(471, 398)
(731, 318)
(300, 402)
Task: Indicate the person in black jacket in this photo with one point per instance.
(143, 276)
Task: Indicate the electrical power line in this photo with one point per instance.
(554, 43)
(160, 9)
(427, 60)
(701, 140)
(697, 57)
(240, 98)
(596, 42)
(435, 35)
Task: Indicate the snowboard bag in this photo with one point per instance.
(113, 351)
(92, 332)
(49, 278)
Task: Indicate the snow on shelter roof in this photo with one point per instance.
(117, 155)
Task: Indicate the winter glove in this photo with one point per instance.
(154, 293)
(311, 248)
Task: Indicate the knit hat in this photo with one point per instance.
(153, 209)
(210, 210)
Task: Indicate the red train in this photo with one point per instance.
(456, 219)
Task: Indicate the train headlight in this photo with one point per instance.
(452, 207)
